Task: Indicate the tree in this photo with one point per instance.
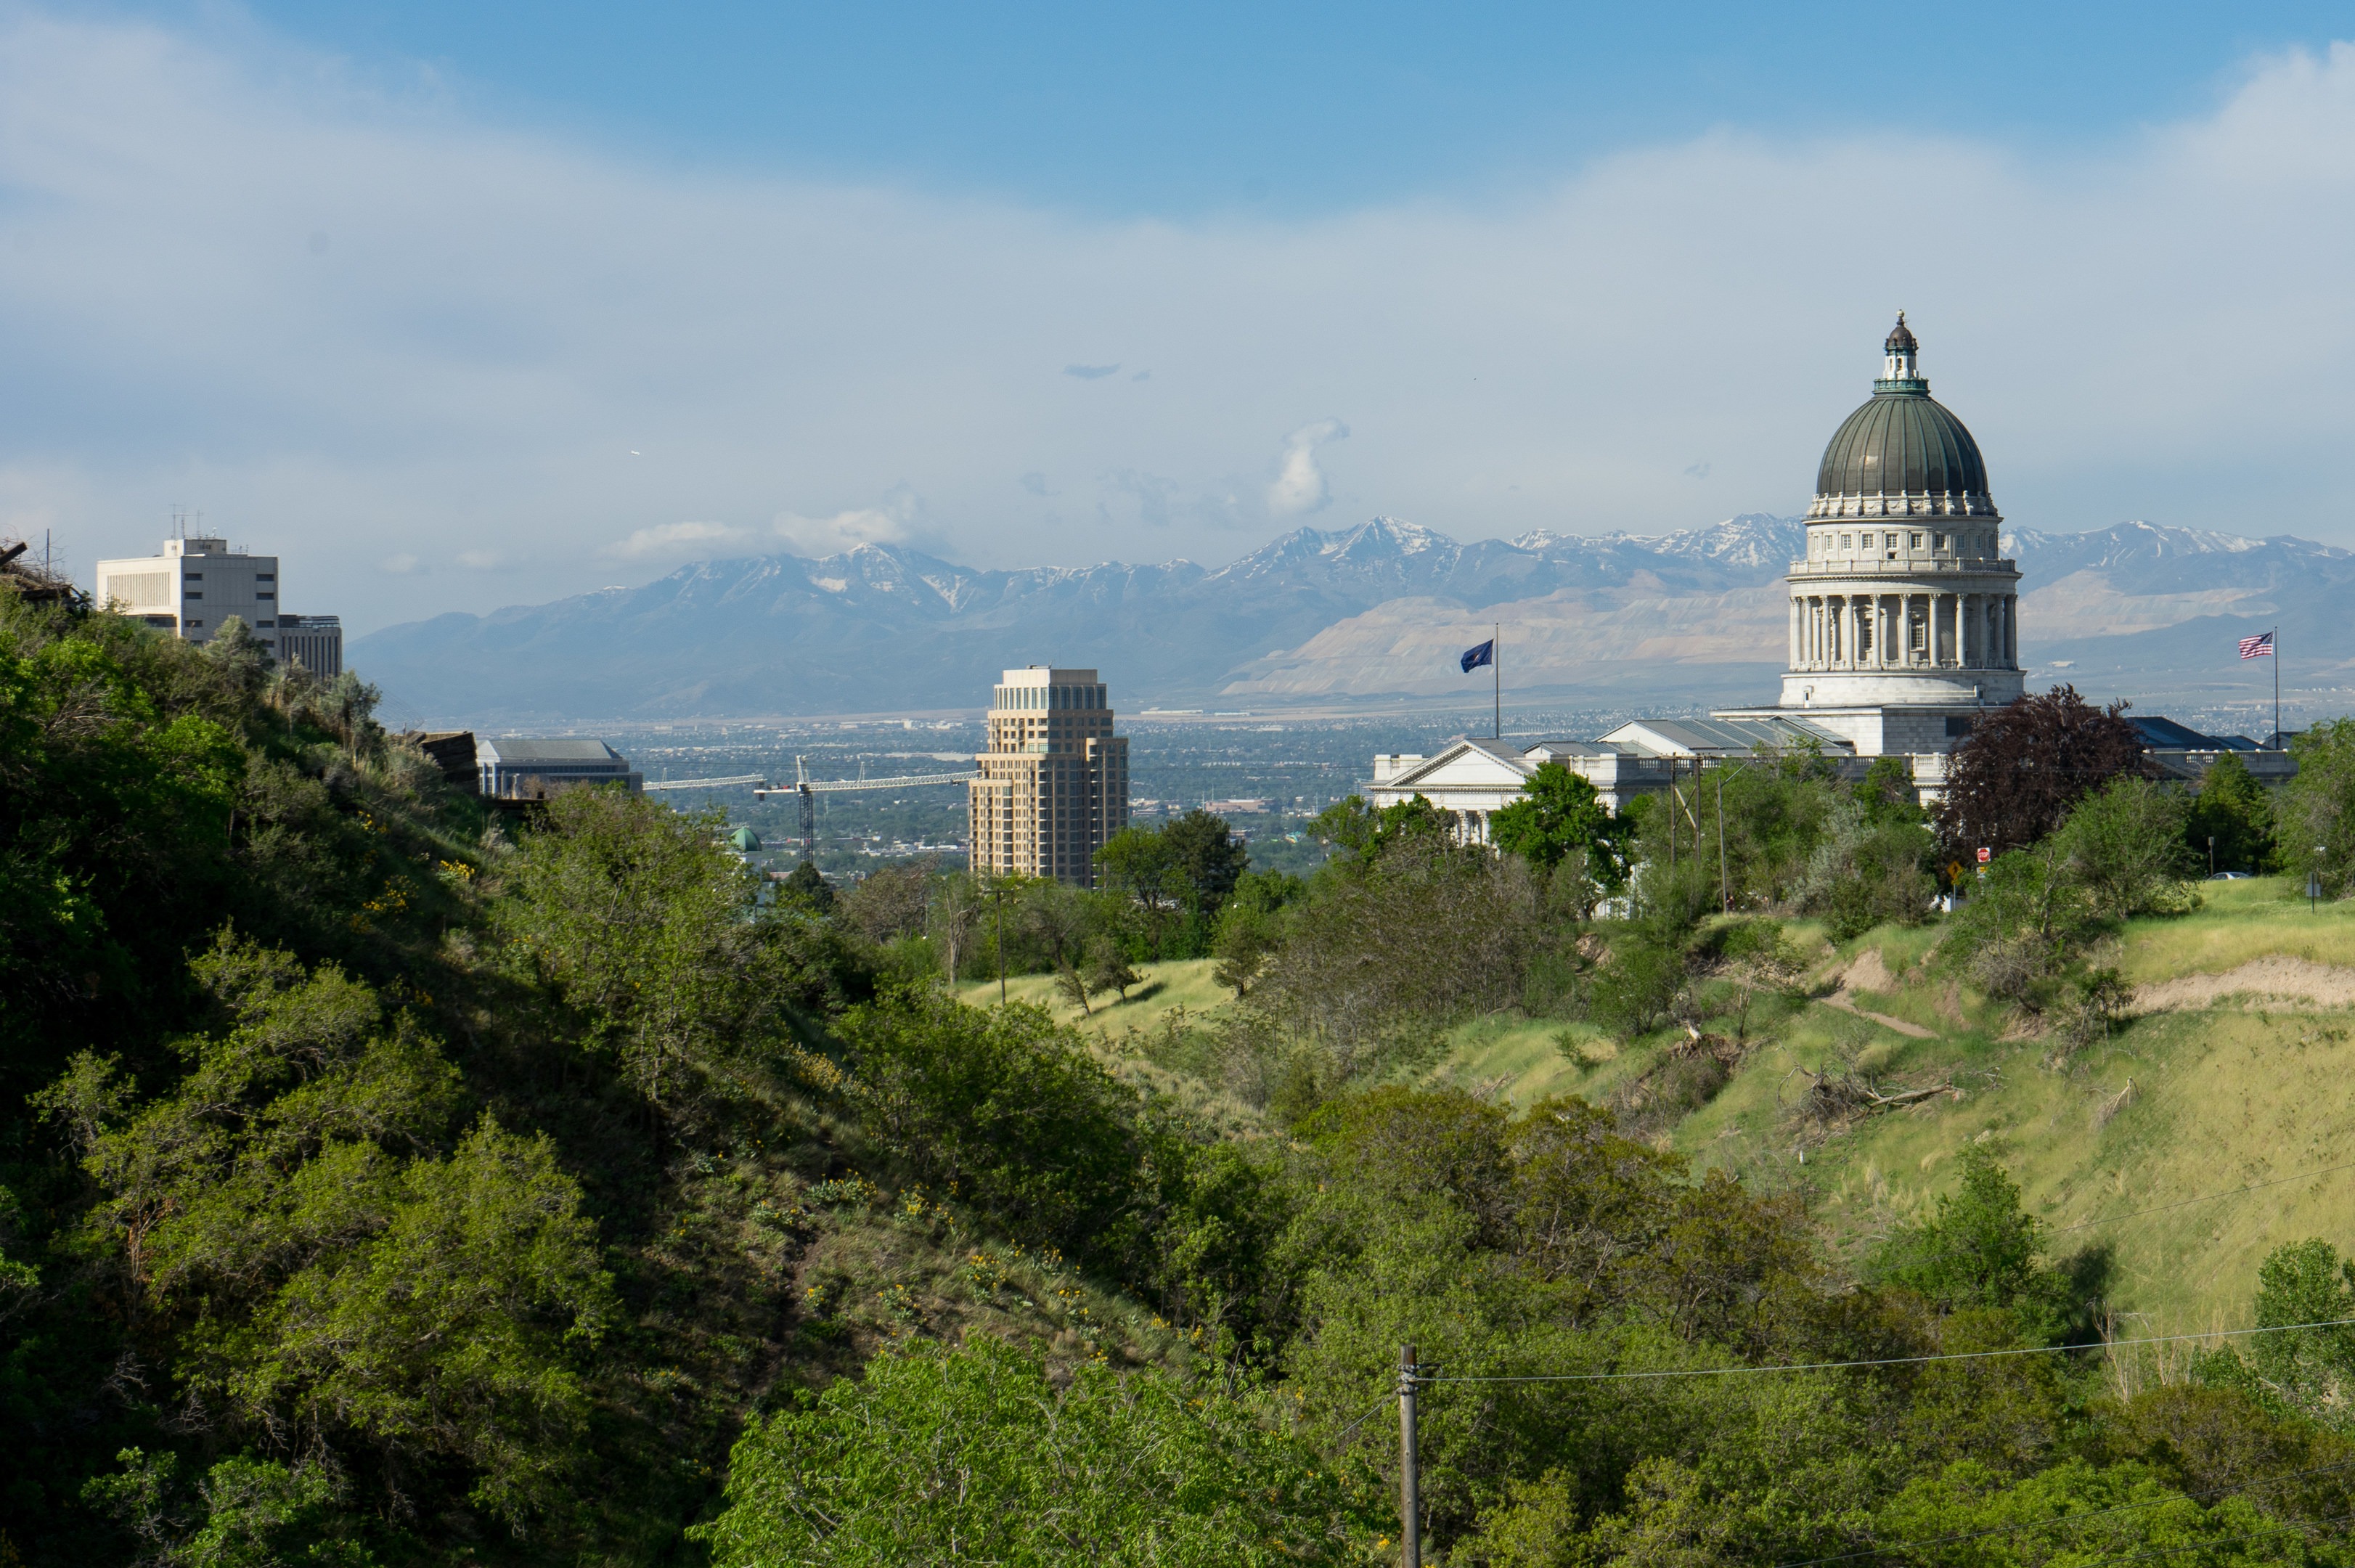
(357, 1270)
(1979, 1249)
(938, 1456)
(1004, 1107)
(809, 887)
(2020, 769)
(893, 902)
(955, 911)
(1557, 812)
(1247, 935)
(2310, 1372)
(1140, 863)
(2125, 849)
(2317, 808)
(1107, 969)
(647, 928)
(2231, 819)
(1208, 859)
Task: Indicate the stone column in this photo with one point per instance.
(1792, 638)
(2011, 631)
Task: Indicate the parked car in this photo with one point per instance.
(2231, 876)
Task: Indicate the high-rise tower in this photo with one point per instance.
(1904, 615)
(1054, 779)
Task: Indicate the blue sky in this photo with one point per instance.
(1182, 110)
(460, 306)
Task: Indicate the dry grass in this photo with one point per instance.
(2241, 921)
(1185, 983)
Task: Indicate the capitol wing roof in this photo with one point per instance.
(1466, 764)
(1725, 736)
(518, 749)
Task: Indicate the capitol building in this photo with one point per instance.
(1904, 615)
(1904, 625)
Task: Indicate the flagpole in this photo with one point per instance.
(1497, 670)
(2275, 634)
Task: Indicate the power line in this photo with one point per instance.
(2061, 1520)
(2209, 1198)
(1887, 1361)
(2220, 1541)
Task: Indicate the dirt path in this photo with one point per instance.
(1847, 1004)
(1867, 973)
(2275, 978)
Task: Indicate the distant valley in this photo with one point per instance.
(1368, 616)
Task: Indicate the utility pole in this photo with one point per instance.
(1410, 1476)
(999, 894)
(1672, 817)
(1724, 887)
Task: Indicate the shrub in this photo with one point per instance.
(973, 1454)
(1005, 1109)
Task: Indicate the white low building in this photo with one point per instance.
(1476, 778)
(199, 582)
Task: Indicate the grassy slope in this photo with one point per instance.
(2237, 1092)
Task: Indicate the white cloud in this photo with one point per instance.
(499, 323)
(681, 540)
(1299, 484)
(786, 531)
(824, 536)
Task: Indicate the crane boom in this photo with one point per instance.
(705, 784)
(807, 787)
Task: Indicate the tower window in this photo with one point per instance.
(1845, 543)
(1913, 541)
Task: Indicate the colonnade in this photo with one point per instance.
(1904, 631)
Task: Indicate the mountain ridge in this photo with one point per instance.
(1369, 612)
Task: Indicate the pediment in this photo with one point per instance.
(1463, 765)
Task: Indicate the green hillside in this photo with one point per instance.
(2240, 1057)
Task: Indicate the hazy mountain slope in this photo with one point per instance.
(1376, 611)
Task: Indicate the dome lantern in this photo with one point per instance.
(1899, 371)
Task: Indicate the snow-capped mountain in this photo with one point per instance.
(1372, 611)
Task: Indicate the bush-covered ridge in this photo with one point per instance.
(431, 1193)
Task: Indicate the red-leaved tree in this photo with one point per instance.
(2024, 765)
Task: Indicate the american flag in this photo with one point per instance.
(2260, 646)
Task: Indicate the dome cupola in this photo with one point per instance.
(1903, 454)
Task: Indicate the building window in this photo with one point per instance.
(264, 594)
(1844, 542)
(192, 577)
(1913, 541)
(265, 577)
(192, 593)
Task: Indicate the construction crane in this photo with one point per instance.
(809, 789)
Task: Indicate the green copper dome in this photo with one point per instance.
(1903, 442)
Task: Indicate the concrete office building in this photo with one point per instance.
(315, 642)
(1054, 782)
(533, 770)
(198, 583)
